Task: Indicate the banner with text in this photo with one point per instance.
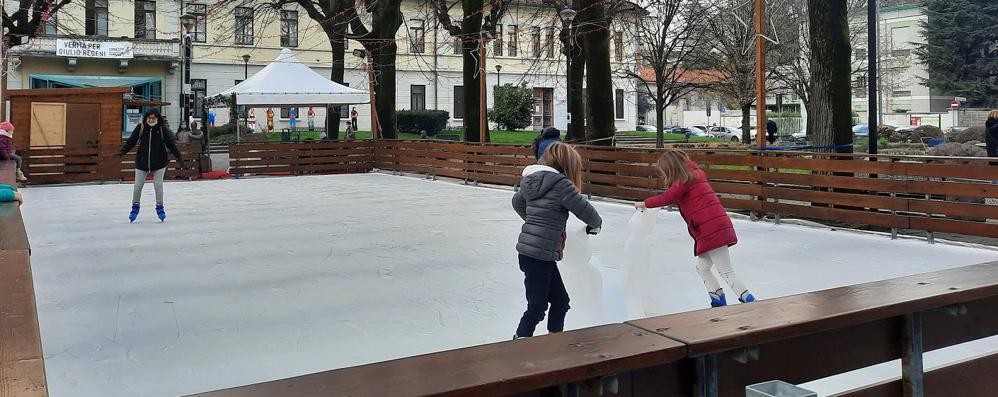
(93, 49)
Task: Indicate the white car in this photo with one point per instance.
(726, 133)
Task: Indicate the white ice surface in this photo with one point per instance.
(259, 279)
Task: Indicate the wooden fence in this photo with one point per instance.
(48, 165)
(707, 353)
(934, 194)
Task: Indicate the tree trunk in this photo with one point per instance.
(473, 72)
(830, 117)
(747, 123)
(660, 122)
(384, 97)
(333, 112)
(577, 102)
(599, 84)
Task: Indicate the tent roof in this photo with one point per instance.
(287, 81)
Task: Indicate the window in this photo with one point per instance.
(618, 104)
(286, 112)
(512, 40)
(145, 19)
(52, 24)
(244, 26)
(199, 87)
(550, 43)
(417, 36)
(618, 45)
(199, 33)
(457, 46)
(459, 102)
(535, 39)
(902, 93)
(497, 45)
(417, 97)
(289, 28)
(96, 23)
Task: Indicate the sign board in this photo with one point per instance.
(916, 121)
(960, 99)
(93, 49)
(954, 105)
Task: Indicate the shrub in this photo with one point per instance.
(416, 121)
(227, 129)
(972, 134)
(512, 110)
(908, 135)
(958, 150)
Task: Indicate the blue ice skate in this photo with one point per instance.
(134, 214)
(161, 212)
(746, 297)
(717, 299)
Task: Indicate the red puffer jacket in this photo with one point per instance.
(705, 217)
(6, 147)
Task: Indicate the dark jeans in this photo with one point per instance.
(543, 283)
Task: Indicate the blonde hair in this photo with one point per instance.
(674, 167)
(564, 158)
(993, 115)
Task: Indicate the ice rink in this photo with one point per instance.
(259, 279)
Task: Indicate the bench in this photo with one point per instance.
(22, 370)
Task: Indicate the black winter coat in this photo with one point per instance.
(153, 143)
(991, 137)
(543, 202)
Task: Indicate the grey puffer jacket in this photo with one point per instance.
(544, 201)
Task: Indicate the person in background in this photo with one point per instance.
(771, 131)
(293, 119)
(211, 118)
(311, 118)
(270, 119)
(9, 193)
(7, 148)
(353, 118)
(991, 133)
(546, 138)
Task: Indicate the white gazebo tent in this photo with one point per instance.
(287, 81)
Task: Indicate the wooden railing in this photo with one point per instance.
(300, 158)
(715, 352)
(934, 194)
(22, 370)
(49, 165)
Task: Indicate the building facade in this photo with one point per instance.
(106, 43)
(526, 50)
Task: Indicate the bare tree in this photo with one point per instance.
(669, 43)
(576, 56)
(830, 119)
(378, 39)
(730, 27)
(19, 26)
(472, 30)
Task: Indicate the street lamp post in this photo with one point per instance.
(246, 59)
(567, 17)
(498, 75)
(187, 20)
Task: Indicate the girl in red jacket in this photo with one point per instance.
(706, 220)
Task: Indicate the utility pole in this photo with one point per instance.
(4, 48)
(873, 69)
(760, 73)
(375, 133)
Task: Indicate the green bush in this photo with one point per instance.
(417, 121)
(227, 129)
(512, 110)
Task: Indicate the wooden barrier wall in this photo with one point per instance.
(935, 194)
(22, 368)
(49, 165)
(713, 352)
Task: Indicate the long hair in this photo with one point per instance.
(564, 158)
(993, 115)
(674, 167)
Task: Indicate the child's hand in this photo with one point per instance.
(640, 205)
(19, 197)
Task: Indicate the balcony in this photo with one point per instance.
(45, 46)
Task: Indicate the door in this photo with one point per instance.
(82, 125)
(48, 124)
(543, 112)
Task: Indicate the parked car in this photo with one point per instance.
(726, 133)
(700, 129)
(861, 129)
(646, 127)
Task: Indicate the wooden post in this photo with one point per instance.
(3, 77)
(483, 102)
(375, 133)
(760, 73)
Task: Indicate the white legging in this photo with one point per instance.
(721, 259)
(157, 182)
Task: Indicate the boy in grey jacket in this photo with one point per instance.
(548, 192)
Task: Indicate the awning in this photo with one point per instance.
(96, 81)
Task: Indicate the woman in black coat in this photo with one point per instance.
(154, 139)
